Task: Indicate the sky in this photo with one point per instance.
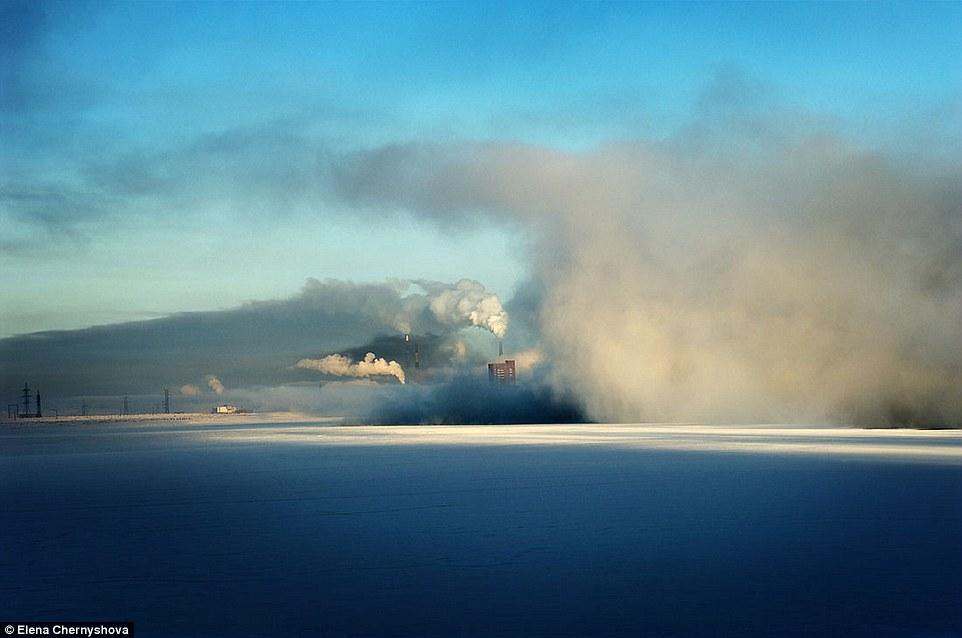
(91, 90)
(163, 158)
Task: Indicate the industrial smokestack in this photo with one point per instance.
(500, 348)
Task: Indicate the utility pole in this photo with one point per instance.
(26, 399)
(83, 407)
(125, 405)
(166, 400)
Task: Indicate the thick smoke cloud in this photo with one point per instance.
(721, 276)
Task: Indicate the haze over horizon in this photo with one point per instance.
(710, 212)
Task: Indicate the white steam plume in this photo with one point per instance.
(214, 384)
(341, 366)
(405, 306)
(189, 390)
(466, 303)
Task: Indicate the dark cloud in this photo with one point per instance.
(256, 344)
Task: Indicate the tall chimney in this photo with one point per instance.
(500, 348)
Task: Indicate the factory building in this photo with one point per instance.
(502, 372)
(226, 409)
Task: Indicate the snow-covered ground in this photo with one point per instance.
(236, 528)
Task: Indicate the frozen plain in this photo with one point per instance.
(293, 529)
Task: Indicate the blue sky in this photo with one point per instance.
(162, 157)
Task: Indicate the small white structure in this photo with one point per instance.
(225, 409)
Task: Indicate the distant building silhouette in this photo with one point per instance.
(502, 372)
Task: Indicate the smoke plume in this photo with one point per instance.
(341, 366)
(189, 390)
(214, 384)
(722, 277)
(412, 306)
(527, 360)
(466, 303)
